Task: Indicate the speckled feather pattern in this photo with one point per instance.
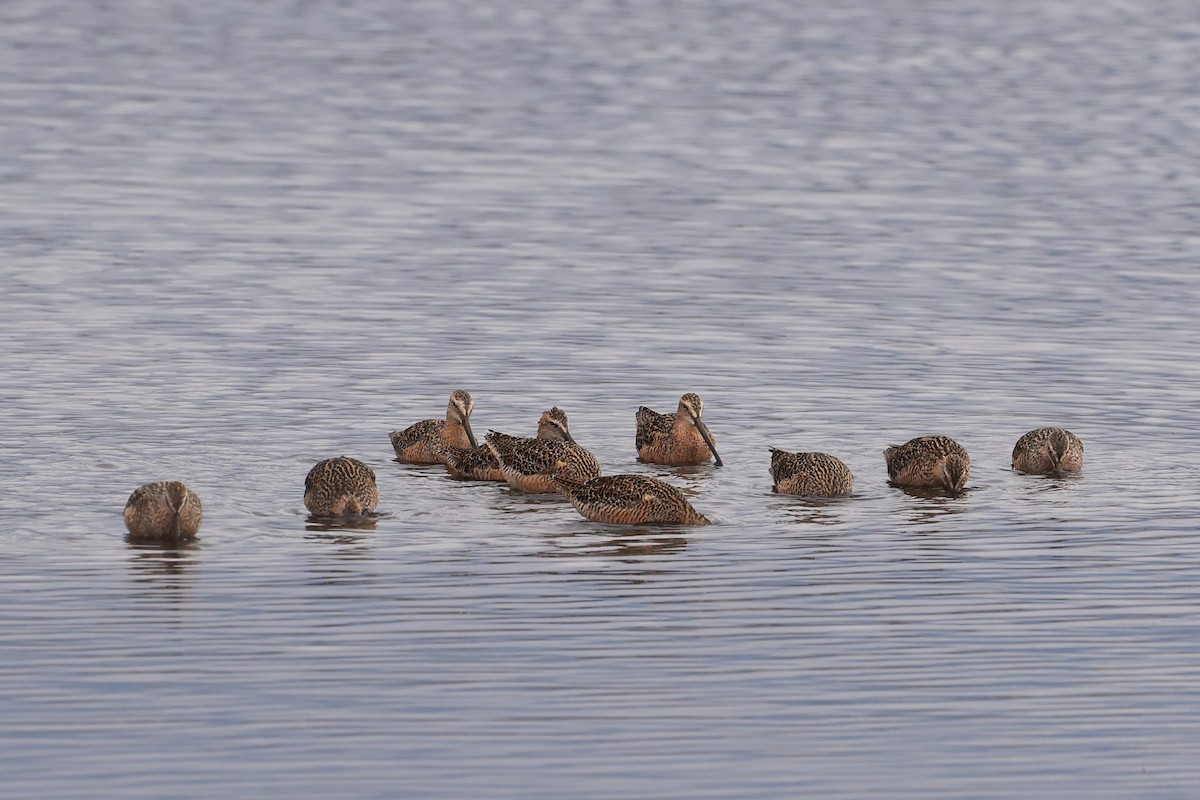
(671, 439)
(153, 510)
(652, 426)
(810, 474)
(472, 464)
(632, 500)
(1048, 451)
(928, 462)
(340, 487)
(530, 464)
(418, 443)
(425, 442)
(480, 463)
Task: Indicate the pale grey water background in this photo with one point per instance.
(239, 237)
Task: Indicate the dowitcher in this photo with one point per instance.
(630, 500)
(340, 487)
(1048, 451)
(810, 474)
(531, 464)
(166, 510)
(677, 440)
(422, 442)
(480, 463)
(928, 462)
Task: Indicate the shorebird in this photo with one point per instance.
(1048, 451)
(630, 500)
(677, 440)
(165, 510)
(810, 474)
(928, 462)
(480, 463)
(531, 464)
(340, 487)
(422, 442)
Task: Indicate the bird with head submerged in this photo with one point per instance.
(340, 487)
(810, 474)
(163, 510)
(676, 440)
(1048, 451)
(629, 500)
(928, 462)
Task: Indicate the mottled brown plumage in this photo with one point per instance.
(531, 464)
(1048, 451)
(165, 511)
(480, 463)
(631, 500)
(472, 464)
(340, 487)
(928, 462)
(677, 440)
(810, 474)
(425, 442)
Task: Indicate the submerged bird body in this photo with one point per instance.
(472, 464)
(340, 487)
(530, 465)
(676, 440)
(165, 510)
(810, 474)
(631, 500)
(424, 442)
(480, 463)
(1048, 451)
(928, 462)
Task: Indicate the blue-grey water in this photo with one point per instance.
(236, 238)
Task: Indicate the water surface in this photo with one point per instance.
(238, 238)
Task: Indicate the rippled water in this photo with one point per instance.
(236, 238)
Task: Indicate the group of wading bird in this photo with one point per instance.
(554, 462)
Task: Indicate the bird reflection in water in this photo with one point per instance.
(514, 501)
(346, 540)
(693, 474)
(934, 504)
(339, 558)
(328, 524)
(1052, 483)
(342, 532)
(813, 510)
(164, 564)
(622, 543)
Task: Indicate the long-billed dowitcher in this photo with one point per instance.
(531, 464)
(630, 500)
(340, 487)
(164, 510)
(422, 442)
(1048, 451)
(480, 463)
(677, 440)
(810, 474)
(928, 462)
